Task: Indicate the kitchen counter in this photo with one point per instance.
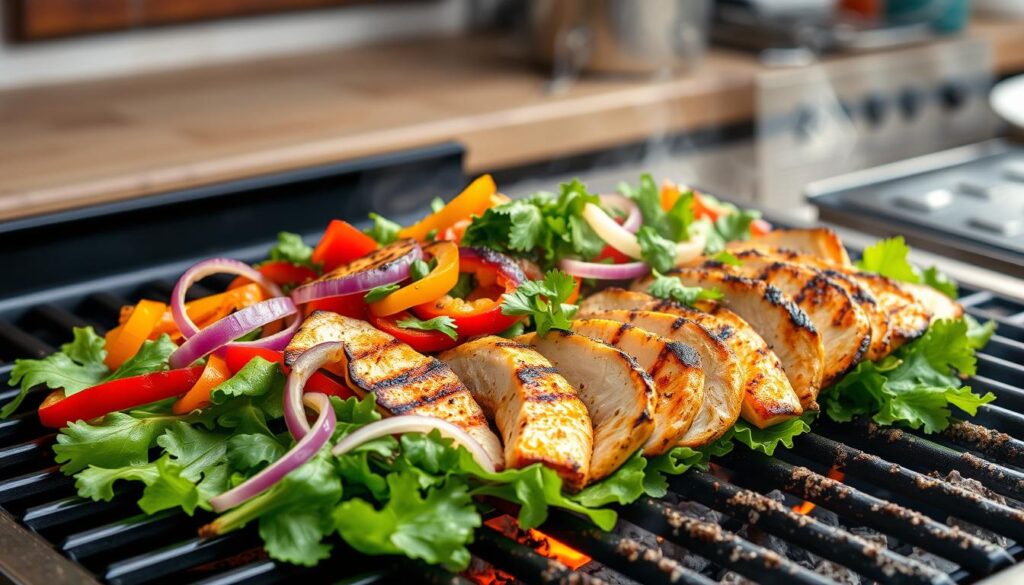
(77, 144)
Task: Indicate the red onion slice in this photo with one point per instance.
(398, 425)
(235, 325)
(307, 363)
(303, 451)
(625, 271)
(208, 268)
(627, 206)
(387, 265)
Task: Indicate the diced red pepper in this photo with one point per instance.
(348, 305)
(341, 244)
(118, 395)
(421, 341)
(280, 272)
(237, 357)
(614, 255)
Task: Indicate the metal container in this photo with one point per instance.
(619, 36)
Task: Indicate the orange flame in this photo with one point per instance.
(806, 507)
(547, 546)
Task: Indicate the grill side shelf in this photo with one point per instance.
(27, 558)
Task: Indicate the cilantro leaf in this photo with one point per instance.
(77, 366)
(544, 301)
(735, 226)
(384, 230)
(434, 526)
(119, 440)
(940, 282)
(727, 258)
(169, 489)
(444, 324)
(658, 252)
(97, 483)
(377, 293)
(671, 288)
(417, 271)
(672, 225)
(291, 248)
(915, 385)
(464, 286)
(889, 258)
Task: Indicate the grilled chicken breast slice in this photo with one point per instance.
(844, 327)
(403, 380)
(723, 374)
(777, 319)
(674, 367)
(539, 414)
(938, 304)
(618, 393)
(821, 242)
(768, 397)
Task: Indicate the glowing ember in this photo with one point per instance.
(806, 507)
(546, 546)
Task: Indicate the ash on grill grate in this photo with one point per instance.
(976, 486)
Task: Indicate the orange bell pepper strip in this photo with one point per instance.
(431, 287)
(474, 200)
(125, 341)
(198, 397)
(202, 311)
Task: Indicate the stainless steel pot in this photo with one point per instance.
(619, 36)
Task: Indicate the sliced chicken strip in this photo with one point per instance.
(844, 327)
(403, 380)
(723, 374)
(539, 414)
(778, 320)
(675, 368)
(768, 397)
(618, 393)
(821, 242)
(938, 304)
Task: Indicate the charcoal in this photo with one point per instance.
(605, 575)
(668, 548)
(976, 486)
(927, 558)
(825, 516)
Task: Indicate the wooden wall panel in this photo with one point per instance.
(32, 20)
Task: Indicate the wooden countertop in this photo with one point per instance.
(78, 144)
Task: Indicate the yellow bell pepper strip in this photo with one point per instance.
(125, 341)
(433, 286)
(198, 397)
(474, 200)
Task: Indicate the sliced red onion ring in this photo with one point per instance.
(303, 451)
(202, 270)
(627, 206)
(383, 266)
(235, 325)
(398, 425)
(625, 271)
(307, 363)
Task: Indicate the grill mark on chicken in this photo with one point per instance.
(410, 376)
(510, 344)
(685, 353)
(531, 374)
(796, 315)
(552, 397)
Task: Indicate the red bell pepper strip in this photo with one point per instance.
(480, 312)
(118, 395)
(237, 357)
(611, 253)
(341, 244)
(280, 272)
(348, 305)
(421, 341)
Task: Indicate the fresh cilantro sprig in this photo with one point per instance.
(889, 258)
(671, 288)
(916, 385)
(544, 301)
(658, 252)
(444, 324)
(377, 293)
(291, 248)
(384, 230)
(543, 227)
(674, 224)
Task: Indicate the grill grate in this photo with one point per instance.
(899, 517)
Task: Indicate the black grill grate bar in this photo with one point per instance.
(522, 561)
(1007, 396)
(64, 515)
(892, 519)
(999, 369)
(55, 319)
(37, 450)
(927, 456)
(20, 427)
(24, 491)
(625, 555)
(990, 443)
(835, 544)
(1004, 348)
(17, 343)
(950, 498)
(137, 531)
(154, 565)
(714, 543)
(1000, 419)
(258, 573)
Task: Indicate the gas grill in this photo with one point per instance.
(850, 503)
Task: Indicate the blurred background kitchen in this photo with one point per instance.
(879, 116)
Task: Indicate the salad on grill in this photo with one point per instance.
(571, 350)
